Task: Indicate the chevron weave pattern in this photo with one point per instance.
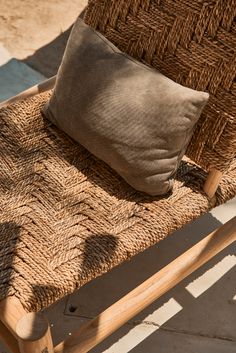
(66, 218)
(193, 43)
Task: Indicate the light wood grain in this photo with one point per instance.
(34, 335)
(32, 91)
(11, 311)
(8, 339)
(130, 305)
(212, 182)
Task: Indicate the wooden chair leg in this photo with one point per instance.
(34, 334)
(11, 311)
(212, 182)
(7, 338)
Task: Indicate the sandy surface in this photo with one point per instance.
(37, 31)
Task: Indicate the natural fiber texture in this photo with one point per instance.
(66, 218)
(193, 43)
(100, 100)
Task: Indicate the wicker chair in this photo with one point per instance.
(67, 217)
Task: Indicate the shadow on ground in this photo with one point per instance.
(47, 59)
(209, 315)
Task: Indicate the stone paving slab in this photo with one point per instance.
(15, 76)
(147, 338)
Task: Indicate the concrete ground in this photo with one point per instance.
(36, 31)
(198, 315)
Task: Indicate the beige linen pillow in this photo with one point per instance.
(128, 114)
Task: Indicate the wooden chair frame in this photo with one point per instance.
(24, 332)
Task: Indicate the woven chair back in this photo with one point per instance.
(193, 43)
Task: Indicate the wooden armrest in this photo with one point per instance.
(32, 91)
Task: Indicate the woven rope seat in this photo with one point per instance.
(193, 43)
(66, 217)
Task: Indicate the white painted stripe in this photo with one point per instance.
(164, 313)
(140, 332)
(210, 277)
(226, 211)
